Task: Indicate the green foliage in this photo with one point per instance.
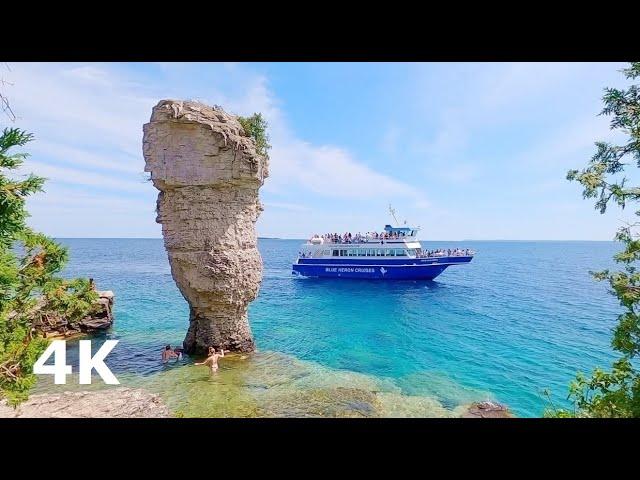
(615, 393)
(13, 193)
(256, 127)
(70, 299)
(29, 288)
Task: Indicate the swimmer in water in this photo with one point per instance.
(168, 354)
(212, 359)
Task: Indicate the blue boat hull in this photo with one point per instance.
(417, 269)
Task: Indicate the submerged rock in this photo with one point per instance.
(119, 402)
(487, 410)
(208, 173)
(325, 402)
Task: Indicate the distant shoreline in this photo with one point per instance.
(304, 239)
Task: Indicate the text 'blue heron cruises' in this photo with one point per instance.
(393, 254)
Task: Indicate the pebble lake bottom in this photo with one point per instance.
(520, 318)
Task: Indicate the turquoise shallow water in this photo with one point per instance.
(522, 317)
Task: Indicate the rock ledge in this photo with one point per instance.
(487, 410)
(121, 402)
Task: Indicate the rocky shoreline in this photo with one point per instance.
(121, 402)
(102, 319)
(126, 402)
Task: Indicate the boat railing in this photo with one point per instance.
(325, 241)
(465, 252)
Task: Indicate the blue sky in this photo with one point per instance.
(464, 150)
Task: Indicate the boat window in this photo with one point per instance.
(369, 252)
(335, 253)
(411, 252)
(388, 252)
(343, 253)
(400, 252)
(380, 252)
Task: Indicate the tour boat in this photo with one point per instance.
(394, 254)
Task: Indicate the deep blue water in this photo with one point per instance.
(522, 317)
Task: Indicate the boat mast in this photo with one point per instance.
(392, 211)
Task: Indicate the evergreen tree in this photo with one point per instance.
(29, 288)
(616, 393)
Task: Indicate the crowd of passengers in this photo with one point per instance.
(441, 252)
(449, 252)
(359, 238)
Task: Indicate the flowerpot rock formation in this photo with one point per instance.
(208, 173)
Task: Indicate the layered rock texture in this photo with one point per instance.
(121, 402)
(208, 173)
(487, 410)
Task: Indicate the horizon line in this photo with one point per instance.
(303, 239)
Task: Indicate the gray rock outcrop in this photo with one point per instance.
(208, 173)
(487, 410)
(121, 402)
(53, 325)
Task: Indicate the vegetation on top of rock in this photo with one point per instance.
(256, 127)
(29, 287)
(615, 393)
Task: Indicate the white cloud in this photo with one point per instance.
(108, 113)
(88, 124)
(66, 211)
(73, 176)
(509, 85)
(84, 157)
(322, 169)
(570, 145)
(89, 74)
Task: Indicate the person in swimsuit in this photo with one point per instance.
(168, 354)
(212, 359)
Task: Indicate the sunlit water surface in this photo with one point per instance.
(521, 318)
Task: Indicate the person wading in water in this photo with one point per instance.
(212, 359)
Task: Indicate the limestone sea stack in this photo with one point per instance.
(208, 173)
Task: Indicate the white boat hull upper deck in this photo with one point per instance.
(394, 255)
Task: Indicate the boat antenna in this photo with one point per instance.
(392, 211)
